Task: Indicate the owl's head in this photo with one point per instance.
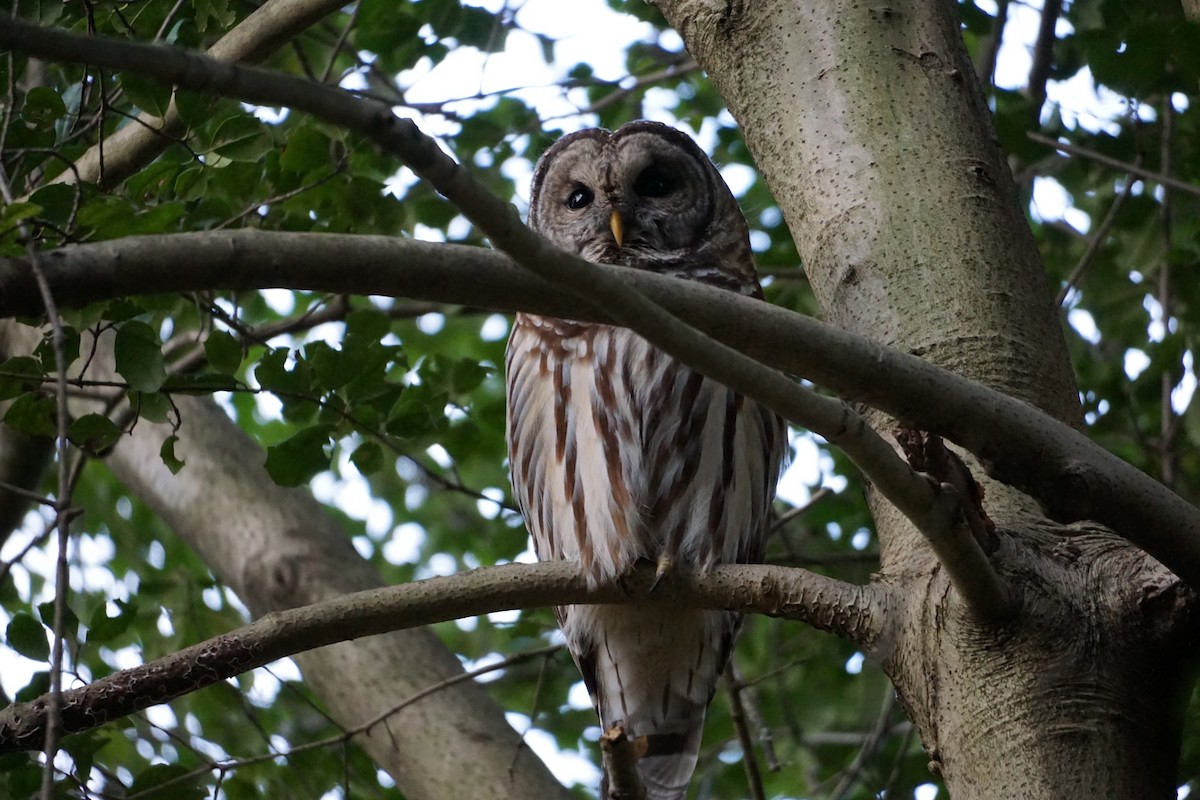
(644, 195)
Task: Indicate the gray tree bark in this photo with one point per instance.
(869, 125)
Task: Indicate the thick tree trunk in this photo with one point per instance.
(886, 167)
(277, 548)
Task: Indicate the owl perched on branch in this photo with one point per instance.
(621, 453)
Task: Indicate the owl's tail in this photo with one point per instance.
(670, 761)
(667, 765)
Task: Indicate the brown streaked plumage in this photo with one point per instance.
(620, 453)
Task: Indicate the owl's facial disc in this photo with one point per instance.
(644, 195)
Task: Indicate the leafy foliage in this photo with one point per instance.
(407, 398)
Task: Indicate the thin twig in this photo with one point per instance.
(754, 717)
(986, 68)
(1168, 457)
(674, 71)
(34, 497)
(1096, 240)
(534, 704)
(299, 190)
(737, 712)
(1043, 57)
(853, 772)
(336, 50)
(897, 765)
(62, 500)
(799, 511)
(1115, 163)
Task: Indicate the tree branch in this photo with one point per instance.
(590, 283)
(132, 147)
(1115, 163)
(1078, 480)
(1096, 240)
(1074, 478)
(853, 612)
(1043, 57)
(619, 757)
(990, 49)
(962, 533)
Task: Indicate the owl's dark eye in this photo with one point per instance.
(653, 182)
(579, 197)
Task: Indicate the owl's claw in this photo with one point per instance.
(661, 570)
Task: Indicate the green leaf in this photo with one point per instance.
(305, 150)
(456, 375)
(196, 108)
(154, 406)
(103, 628)
(46, 614)
(367, 324)
(45, 351)
(42, 107)
(57, 201)
(93, 433)
(23, 779)
(80, 318)
(216, 10)
(34, 414)
(224, 352)
(382, 23)
(167, 454)
(28, 637)
(294, 387)
(139, 358)
(39, 684)
(296, 460)
(243, 138)
(122, 309)
(151, 96)
(367, 458)
(18, 375)
(419, 410)
(190, 184)
(333, 369)
(12, 214)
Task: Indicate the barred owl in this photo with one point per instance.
(620, 453)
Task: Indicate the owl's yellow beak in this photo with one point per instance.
(618, 227)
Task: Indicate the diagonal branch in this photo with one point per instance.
(126, 151)
(854, 612)
(916, 498)
(1043, 57)
(1115, 163)
(1073, 477)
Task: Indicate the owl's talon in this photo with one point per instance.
(661, 571)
